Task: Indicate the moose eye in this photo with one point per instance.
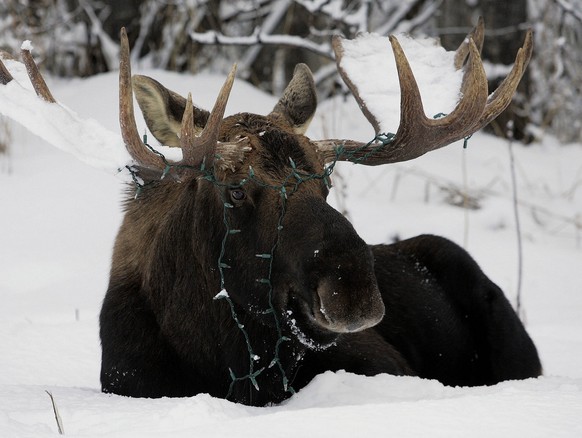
(238, 195)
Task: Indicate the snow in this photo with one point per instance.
(59, 219)
(222, 294)
(369, 62)
(27, 45)
(60, 126)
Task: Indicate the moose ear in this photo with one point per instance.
(163, 109)
(299, 100)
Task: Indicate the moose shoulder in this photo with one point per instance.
(244, 213)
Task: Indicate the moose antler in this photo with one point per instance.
(63, 128)
(418, 134)
(196, 149)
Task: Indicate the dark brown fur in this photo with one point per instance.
(164, 334)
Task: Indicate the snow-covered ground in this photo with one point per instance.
(59, 218)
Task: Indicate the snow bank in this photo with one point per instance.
(60, 216)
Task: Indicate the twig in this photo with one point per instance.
(569, 8)
(465, 199)
(57, 415)
(516, 215)
(450, 186)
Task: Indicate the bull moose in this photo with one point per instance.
(243, 216)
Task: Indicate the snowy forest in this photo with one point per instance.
(511, 196)
(268, 37)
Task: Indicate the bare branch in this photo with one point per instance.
(278, 10)
(57, 415)
(570, 8)
(397, 17)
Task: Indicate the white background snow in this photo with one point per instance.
(59, 218)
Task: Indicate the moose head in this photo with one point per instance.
(244, 211)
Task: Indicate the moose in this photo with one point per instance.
(243, 217)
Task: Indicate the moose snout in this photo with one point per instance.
(345, 310)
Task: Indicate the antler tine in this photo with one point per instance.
(187, 133)
(203, 148)
(474, 91)
(501, 97)
(5, 75)
(38, 82)
(134, 145)
(55, 123)
(477, 35)
(417, 134)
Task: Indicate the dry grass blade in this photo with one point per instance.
(57, 415)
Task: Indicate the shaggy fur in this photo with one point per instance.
(418, 307)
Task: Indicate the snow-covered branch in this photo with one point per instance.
(555, 72)
(212, 37)
(356, 15)
(278, 10)
(396, 16)
(109, 48)
(571, 8)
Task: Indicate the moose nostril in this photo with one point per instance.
(357, 326)
(354, 326)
